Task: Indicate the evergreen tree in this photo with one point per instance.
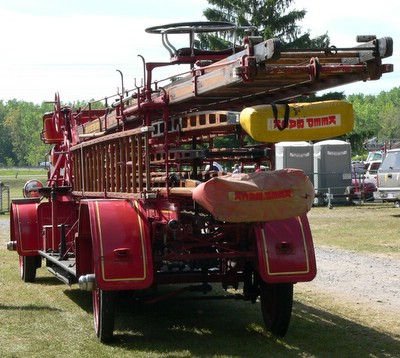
(272, 18)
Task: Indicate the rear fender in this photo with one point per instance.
(24, 226)
(121, 246)
(286, 251)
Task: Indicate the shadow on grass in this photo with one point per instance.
(49, 280)
(235, 328)
(82, 298)
(28, 308)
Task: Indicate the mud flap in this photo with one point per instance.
(286, 251)
(121, 245)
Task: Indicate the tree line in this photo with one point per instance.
(21, 125)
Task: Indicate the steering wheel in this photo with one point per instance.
(192, 27)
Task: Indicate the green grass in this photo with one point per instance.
(50, 319)
(15, 172)
(15, 178)
(371, 228)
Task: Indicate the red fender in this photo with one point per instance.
(24, 226)
(122, 255)
(286, 251)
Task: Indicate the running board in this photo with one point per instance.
(64, 270)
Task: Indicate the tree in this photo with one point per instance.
(22, 126)
(272, 18)
(390, 123)
(6, 150)
(375, 116)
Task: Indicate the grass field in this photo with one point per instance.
(13, 179)
(370, 227)
(50, 319)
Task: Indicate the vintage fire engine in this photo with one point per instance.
(140, 191)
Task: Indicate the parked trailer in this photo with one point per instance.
(128, 204)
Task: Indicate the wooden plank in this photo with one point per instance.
(107, 167)
(102, 168)
(123, 164)
(134, 164)
(112, 166)
(97, 166)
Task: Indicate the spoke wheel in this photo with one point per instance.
(27, 267)
(104, 314)
(276, 305)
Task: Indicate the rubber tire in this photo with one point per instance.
(28, 266)
(104, 314)
(276, 306)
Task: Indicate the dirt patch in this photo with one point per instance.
(4, 230)
(363, 288)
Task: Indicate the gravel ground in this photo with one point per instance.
(4, 224)
(363, 278)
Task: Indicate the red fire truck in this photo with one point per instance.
(141, 190)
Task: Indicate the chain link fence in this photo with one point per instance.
(340, 188)
(4, 198)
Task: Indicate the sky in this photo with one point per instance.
(75, 47)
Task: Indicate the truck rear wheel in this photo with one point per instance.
(27, 267)
(276, 305)
(104, 314)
